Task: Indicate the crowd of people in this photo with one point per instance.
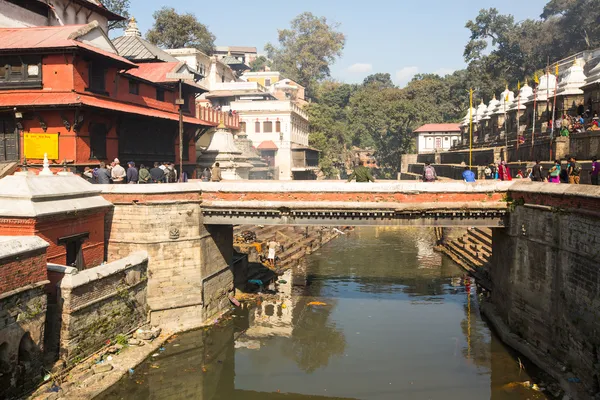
(568, 124)
(557, 173)
(158, 173)
(117, 174)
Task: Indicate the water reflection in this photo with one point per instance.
(398, 321)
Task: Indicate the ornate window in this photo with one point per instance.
(19, 72)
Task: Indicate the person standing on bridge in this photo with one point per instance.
(361, 174)
(429, 174)
(468, 175)
(574, 171)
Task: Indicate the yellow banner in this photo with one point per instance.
(36, 144)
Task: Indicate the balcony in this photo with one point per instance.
(214, 117)
(304, 158)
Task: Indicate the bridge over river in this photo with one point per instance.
(335, 203)
(544, 265)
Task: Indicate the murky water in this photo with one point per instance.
(397, 323)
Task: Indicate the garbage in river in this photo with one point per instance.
(155, 355)
(316, 303)
(234, 301)
(256, 282)
(282, 281)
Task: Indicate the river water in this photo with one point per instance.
(397, 321)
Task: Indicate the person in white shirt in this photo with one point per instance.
(118, 173)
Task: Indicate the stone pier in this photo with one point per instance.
(546, 276)
(189, 267)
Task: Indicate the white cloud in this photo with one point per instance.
(444, 71)
(360, 68)
(404, 75)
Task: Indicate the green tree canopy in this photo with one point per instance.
(380, 80)
(306, 50)
(260, 63)
(172, 30)
(120, 7)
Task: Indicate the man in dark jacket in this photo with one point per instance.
(103, 175)
(132, 173)
(157, 174)
(362, 174)
(537, 173)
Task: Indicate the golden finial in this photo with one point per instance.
(132, 19)
(222, 123)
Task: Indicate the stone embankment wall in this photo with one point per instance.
(189, 269)
(22, 312)
(101, 302)
(546, 274)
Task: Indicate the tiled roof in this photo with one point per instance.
(52, 37)
(156, 72)
(438, 128)
(40, 99)
(137, 49)
(267, 145)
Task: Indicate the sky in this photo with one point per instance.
(401, 37)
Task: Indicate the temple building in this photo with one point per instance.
(436, 137)
(26, 13)
(66, 92)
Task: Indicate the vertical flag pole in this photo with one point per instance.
(553, 112)
(536, 82)
(470, 127)
(518, 115)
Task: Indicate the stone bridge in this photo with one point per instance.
(333, 203)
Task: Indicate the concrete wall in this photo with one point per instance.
(189, 269)
(100, 303)
(585, 146)
(546, 274)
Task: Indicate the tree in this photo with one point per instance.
(259, 64)
(307, 50)
(380, 79)
(172, 30)
(120, 7)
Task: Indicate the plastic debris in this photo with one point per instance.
(131, 371)
(161, 349)
(316, 303)
(574, 380)
(109, 358)
(234, 301)
(282, 281)
(256, 282)
(154, 366)
(155, 355)
(176, 345)
(47, 377)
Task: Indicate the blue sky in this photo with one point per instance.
(402, 37)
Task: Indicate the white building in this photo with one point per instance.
(245, 54)
(279, 130)
(437, 137)
(24, 13)
(211, 67)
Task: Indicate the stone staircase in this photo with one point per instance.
(472, 251)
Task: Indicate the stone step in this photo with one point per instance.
(464, 254)
(482, 235)
(474, 240)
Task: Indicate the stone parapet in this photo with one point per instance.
(100, 303)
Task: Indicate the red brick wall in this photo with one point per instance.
(16, 272)
(52, 228)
